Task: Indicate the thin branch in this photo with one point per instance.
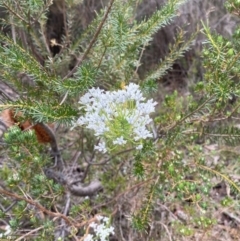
(37, 205)
(54, 146)
(68, 202)
(6, 95)
(116, 198)
(88, 190)
(89, 162)
(29, 233)
(10, 207)
(76, 157)
(232, 216)
(76, 187)
(166, 228)
(110, 158)
(100, 62)
(190, 114)
(65, 212)
(64, 98)
(190, 132)
(86, 172)
(13, 30)
(219, 174)
(91, 42)
(44, 9)
(140, 57)
(14, 13)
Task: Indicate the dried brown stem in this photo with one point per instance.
(37, 205)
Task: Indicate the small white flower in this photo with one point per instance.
(89, 237)
(93, 225)
(139, 147)
(99, 217)
(119, 141)
(101, 229)
(141, 133)
(131, 119)
(106, 220)
(133, 92)
(85, 99)
(101, 147)
(146, 108)
(103, 232)
(16, 178)
(111, 230)
(7, 231)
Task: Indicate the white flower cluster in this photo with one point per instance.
(6, 233)
(101, 230)
(119, 117)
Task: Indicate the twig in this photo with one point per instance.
(29, 233)
(76, 187)
(54, 146)
(140, 57)
(84, 191)
(91, 42)
(138, 185)
(89, 162)
(166, 228)
(167, 209)
(86, 172)
(76, 157)
(100, 62)
(7, 96)
(37, 205)
(44, 9)
(13, 30)
(232, 216)
(3, 123)
(14, 13)
(67, 206)
(64, 98)
(190, 114)
(65, 212)
(110, 158)
(10, 207)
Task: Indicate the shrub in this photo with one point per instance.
(105, 156)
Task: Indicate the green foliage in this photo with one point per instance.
(177, 51)
(24, 176)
